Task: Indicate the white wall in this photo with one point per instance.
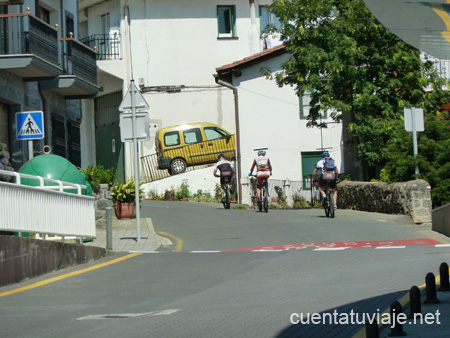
(269, 118)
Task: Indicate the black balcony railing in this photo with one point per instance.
(107, 45)
(26, 34)
(79, 60)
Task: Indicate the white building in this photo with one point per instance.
(276, 118)
(170, 49)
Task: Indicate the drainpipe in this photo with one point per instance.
(238, 135)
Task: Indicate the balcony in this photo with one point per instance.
(106, 45)
(79, 78)
(28, 47)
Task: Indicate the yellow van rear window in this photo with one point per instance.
(172, 138)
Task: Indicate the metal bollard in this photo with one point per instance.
(430, 282)
(414, 301)
(443, 272)
(109, 241)
(372, 330)
(396, 327)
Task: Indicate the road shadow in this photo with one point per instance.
(337, 322)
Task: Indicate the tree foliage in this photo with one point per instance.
(432, 161)
(353, 65)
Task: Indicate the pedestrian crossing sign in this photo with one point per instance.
(30, 125)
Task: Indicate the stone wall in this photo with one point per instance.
(408, 198)
(102, 200)
(25, 258)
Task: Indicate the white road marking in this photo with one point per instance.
(390, 247)
(128, 315)
(442, 245)
(331, 249)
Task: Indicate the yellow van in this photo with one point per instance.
(179, 147)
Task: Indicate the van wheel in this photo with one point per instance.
(178, 166)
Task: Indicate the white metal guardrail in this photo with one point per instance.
(44, 210)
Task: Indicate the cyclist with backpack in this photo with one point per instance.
(326, 165)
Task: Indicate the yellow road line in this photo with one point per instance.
(179, 242)
(439, 10)
(67, 275)
(434, 237)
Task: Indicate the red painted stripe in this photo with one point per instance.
(350, 244)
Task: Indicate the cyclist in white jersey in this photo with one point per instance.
(263, 170)
(226, 172)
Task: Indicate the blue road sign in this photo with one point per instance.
(30, 125)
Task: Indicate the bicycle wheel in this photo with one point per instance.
(331, 205)
(266, 201)
(326, 205)
(228, 197)
(260, 204)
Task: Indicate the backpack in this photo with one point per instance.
(328, 164)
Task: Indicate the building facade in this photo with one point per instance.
(44, 67)
(170, 49)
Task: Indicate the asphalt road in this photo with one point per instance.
(228, 294)
(209, 227)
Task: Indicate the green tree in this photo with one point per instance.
(432, 160)
(353, 65)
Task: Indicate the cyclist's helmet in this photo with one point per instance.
(325, 154)
(221, 156)
(261, 153)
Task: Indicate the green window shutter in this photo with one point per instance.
(304, 101)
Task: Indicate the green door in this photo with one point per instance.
(109, 148)
(309, 161)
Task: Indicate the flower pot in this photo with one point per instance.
(169, 196)
(124, 210)
(183, 199)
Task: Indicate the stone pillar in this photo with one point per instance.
(421, 208)
(288, 193)
(102, 200)
(245, 182)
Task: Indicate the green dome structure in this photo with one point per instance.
(57, 168)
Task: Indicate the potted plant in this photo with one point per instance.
(169, 194)
(183, 193)
(123, 197)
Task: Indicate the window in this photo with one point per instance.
(213, 133)
(105, 23)
(44, 15)
(226, 21)
(70, 28)
(305, 100)
(266, 18)
(192, 136)
(172, 139)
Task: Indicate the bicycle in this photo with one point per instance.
(328, 204)
(263, 202)
(226, 189)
